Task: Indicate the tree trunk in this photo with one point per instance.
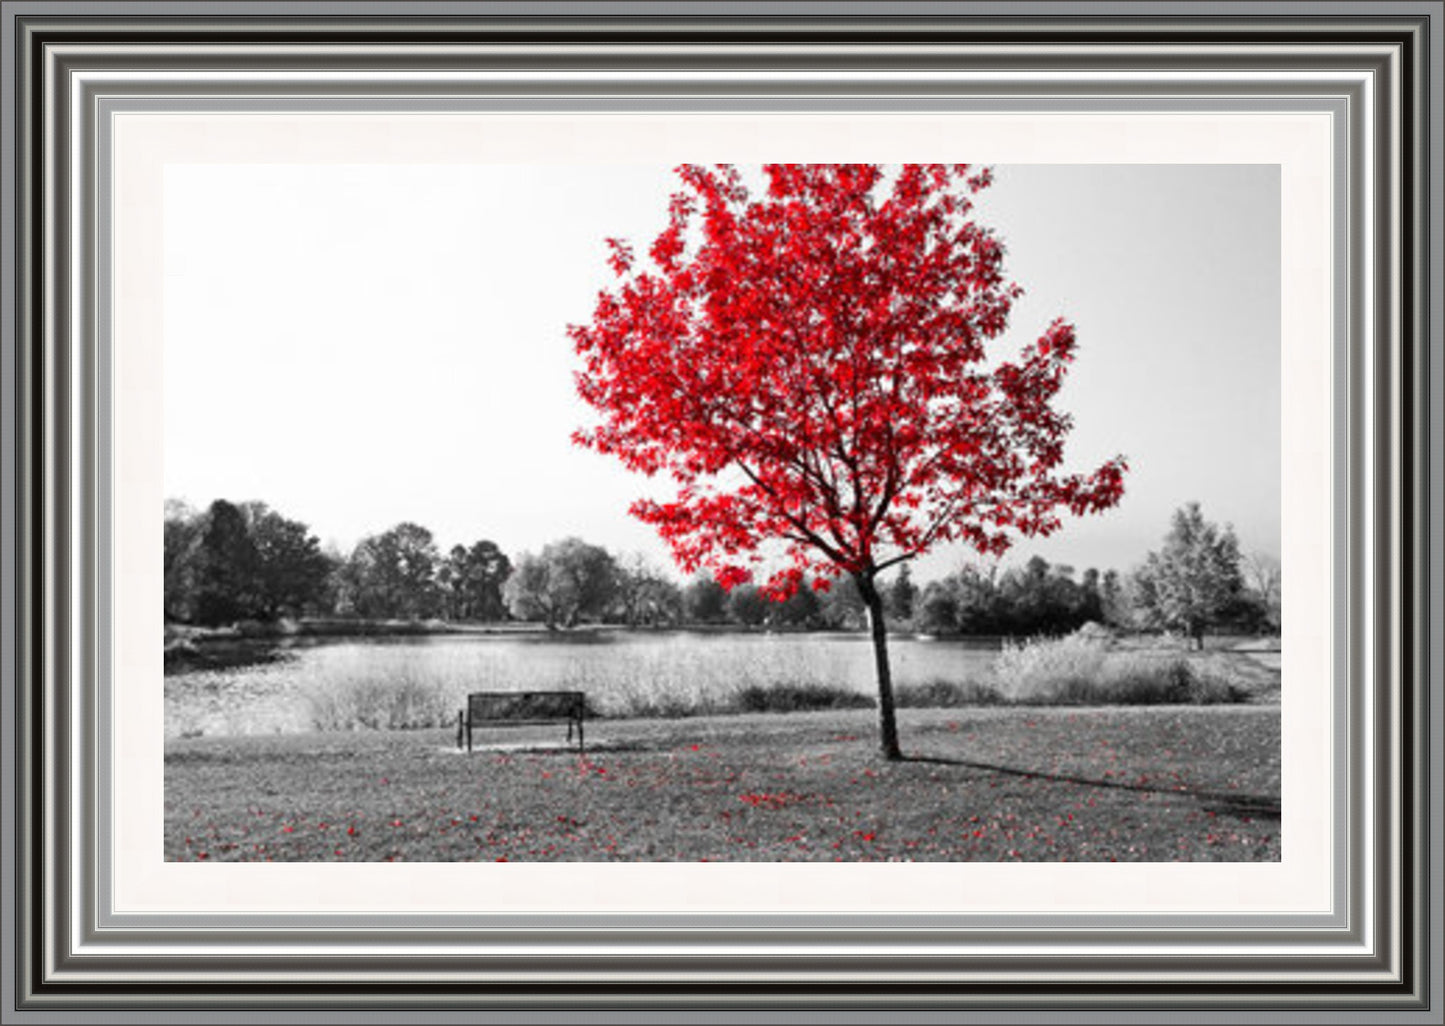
(887, 722)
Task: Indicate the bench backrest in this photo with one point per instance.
(526, 705)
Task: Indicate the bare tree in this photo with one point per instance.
(1263, 579)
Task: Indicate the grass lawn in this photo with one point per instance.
(1035, 784)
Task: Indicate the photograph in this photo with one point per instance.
(722, 513)
(542, 513)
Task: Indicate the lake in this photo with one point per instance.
(347, 684)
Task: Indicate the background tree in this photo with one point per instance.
(811, 367)
(228, 568)
(645, 596)
(393, 574)
(800, 609)
(977, 602)
(1034, 598)
(183, 527)
(567, 582)
(937, 611)
(843, 608)
(1114, 601)
(1194, 582)
(704, 600)
(330, 600)
(291, 571)
(241, 562)
(747, 605)
(1091, 598)
(902, 593)
(1262, 579)
(471, 580)
(525, 592)
(1044, 598)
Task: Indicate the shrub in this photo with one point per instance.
(1093, 631)
(796, 697)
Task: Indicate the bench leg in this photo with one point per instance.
(459, 730)
(581, 739)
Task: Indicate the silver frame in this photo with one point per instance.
(1375, 70)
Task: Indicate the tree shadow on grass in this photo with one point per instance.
(1228, 803)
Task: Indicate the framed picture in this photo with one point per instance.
(500, 270)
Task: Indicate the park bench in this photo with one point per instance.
(519, 708)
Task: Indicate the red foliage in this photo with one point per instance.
(812, 366)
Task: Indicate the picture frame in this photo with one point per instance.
(1370, 73)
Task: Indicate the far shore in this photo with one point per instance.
(183, 635)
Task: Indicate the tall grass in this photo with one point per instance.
(373, 704)
(401, 687)
(1081, 670)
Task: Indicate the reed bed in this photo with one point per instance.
(421, 683)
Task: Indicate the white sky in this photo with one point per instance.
(359, 345)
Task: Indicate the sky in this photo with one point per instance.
(360, 345)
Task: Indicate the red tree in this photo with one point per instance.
(811, 367)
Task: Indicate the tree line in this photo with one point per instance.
(244, 561)
(236, 562)
(1197, 582)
